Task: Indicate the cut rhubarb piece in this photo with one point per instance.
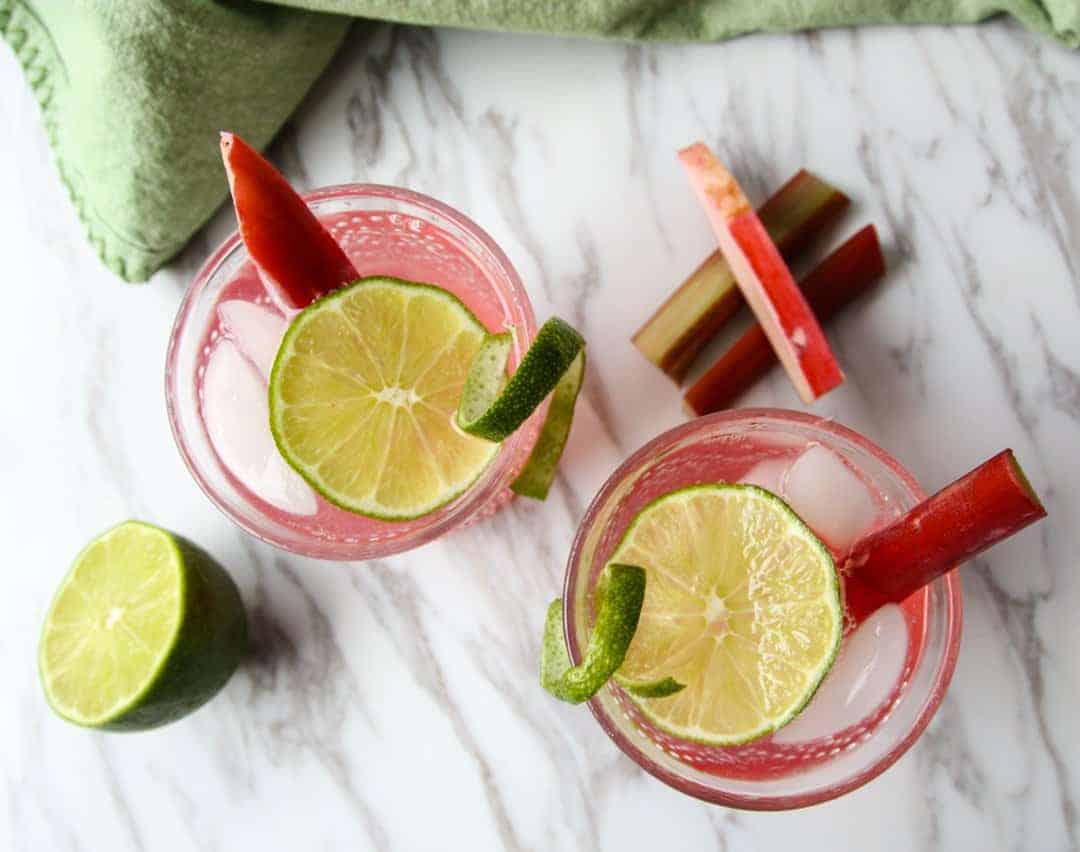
(295, 255)
(795, 216)
(690, 317)
(835, 283)
(962, 520)
(763, 277)
(682, 359)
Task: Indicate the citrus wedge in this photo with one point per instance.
(742, 606)
(363, 395)
(144, 629)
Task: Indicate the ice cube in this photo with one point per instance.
(768, 474)
(237, 420)
(827, 493)
(256, 331)
(864, 676)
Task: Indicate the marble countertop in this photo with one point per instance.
(394, 704)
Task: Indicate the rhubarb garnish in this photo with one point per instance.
(847, 273)
(795, 216)
(989, 504)
(293, 252)
(763, 277)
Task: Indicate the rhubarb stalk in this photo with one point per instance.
(294, 253)
(795, 216)
(847, 273)
(763, 277)
(989, 504)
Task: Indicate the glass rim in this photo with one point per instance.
(684, 784)
(468, 505)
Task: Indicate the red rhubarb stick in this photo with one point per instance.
(763, 277)
(294, 253)
(795, 216)
(962, 520)
(836, 282)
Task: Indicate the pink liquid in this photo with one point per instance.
(377, 243)
(731, 460)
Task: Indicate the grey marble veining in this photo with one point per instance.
(394, 704)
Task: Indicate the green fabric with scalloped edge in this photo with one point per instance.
(134, 92)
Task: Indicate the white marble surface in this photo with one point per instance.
(394, 705)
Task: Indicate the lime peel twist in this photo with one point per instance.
(493, 408)
(620, 595)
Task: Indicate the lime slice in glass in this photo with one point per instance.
(144, 629)
(363, 394)
(742, 606)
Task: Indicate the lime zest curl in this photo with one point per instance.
(620, 595)
(493, 407)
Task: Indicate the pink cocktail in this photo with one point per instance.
(226, 337)
(894, 664)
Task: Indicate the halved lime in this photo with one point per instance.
(363, 394)
(742, 605)
(144, 629)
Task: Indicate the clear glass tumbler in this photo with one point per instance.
(385, 231)
(705, 450)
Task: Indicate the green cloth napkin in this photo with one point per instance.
(133, 92)
(701, 20)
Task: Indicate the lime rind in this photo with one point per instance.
(661, 688)
(484, 383)
(494, 412)
(493, 408)
(620, 595)
(652, 707)
(368, 506)
(536, 476)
